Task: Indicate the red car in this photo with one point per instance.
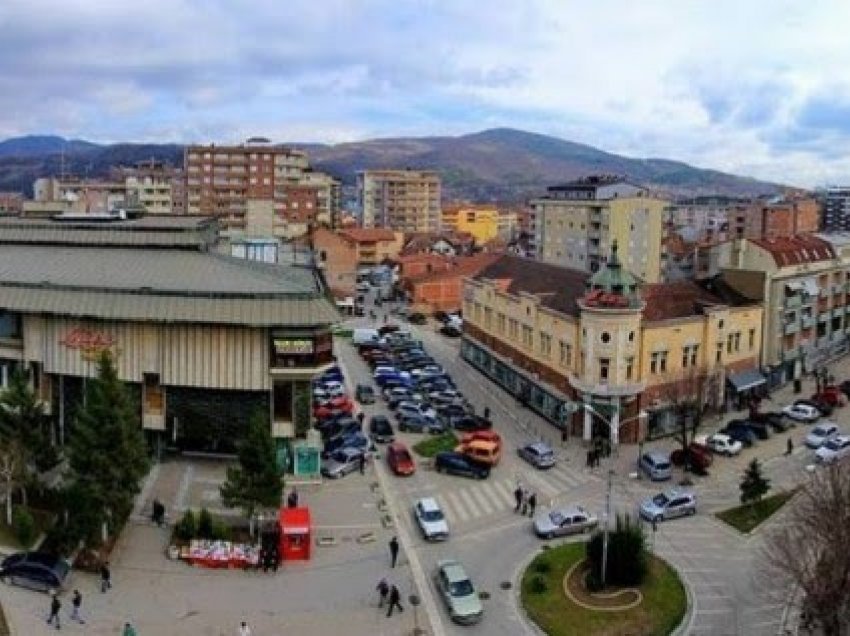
(831, 395)
(698, 456)
(400, 460)
(335, 406)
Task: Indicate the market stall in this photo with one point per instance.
(295, 533)
(220, 554)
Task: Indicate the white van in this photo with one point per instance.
(366, 336)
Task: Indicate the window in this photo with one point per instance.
(488, 318)
(527, 336)
(630, 364)
(689, 356)
(694, 351)
(604, 365)
(545, 344)
(605, 337)
(720, 324)
(737, 341)
(730, 339)
(513, 328)
(752, 338)
(500, 322)
(566, 354)
(631, 336)
(718, 358)
(658, 362)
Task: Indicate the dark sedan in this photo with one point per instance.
(459, 464)
(35, 570)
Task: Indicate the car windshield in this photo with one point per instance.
(660, 500)
(556, 517)
(340, 456)
(432, 515)
(819, 431)
(461, 588)
(834, 444)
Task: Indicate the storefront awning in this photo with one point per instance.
(746, 380)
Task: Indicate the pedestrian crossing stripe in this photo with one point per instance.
(501, 493)
(470, 504)
(454, 510)
(483, 501)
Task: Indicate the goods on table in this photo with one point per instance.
(220, 554)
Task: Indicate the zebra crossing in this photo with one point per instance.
(488, 498)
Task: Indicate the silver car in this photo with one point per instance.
(341, 462)
(835, 448)
(538, 454)
(458, 593)
(669, 505)
(431, 520)
(561, 522)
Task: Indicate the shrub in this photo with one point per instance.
(538, 585)
(221, 531)
(186, 527)
(205, 524)
(627, 559)
(23, 525)
(542, 567)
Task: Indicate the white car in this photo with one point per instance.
(801, 412)
(564, 521)
(416, 409)
(431, 520)
(820, 433)
(833, 449)
(722, 444)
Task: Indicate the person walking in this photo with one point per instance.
(518, 498)
(76, 603)
(565, 436)
(393, 551)
(105, 577)
(244, 629)
(362, 463)
(129, 630)
(292, 499)
(789, 447)
(532, 504)
(524, 502)
(395, 601)
(55, 606)
(384, 590)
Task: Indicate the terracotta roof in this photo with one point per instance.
(367, 235)
(803, 248)
(461, 266)
(422, 241)
(679, 299)
(558, 287)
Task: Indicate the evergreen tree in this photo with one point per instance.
(754, 485)
(108, 453)
(255, 483)
(24, 423)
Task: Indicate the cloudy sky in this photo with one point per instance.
(758, 87)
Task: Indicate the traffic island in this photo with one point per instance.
(746, 518)
(555, 596)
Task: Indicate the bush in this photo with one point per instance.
(221, 531)
(627, 559)
(186, 527)
(538, 585)
(542, 567)
(205, 524)
(23, 525)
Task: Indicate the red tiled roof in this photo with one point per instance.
(461, 266)
(367, 235)
(678, 299)
(803, 248)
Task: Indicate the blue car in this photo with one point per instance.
(352, 440)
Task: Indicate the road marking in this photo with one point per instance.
(503, 492)
(460, 509)
(469, 503)
(486, 505)
(566, 477)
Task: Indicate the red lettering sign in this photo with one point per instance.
(87, 340)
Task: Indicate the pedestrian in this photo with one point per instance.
(362, 463)
(105, 577)
(565, 436)
(76, 602)
(394, 550)
(395, 601)
(524, 502)
(55, 606)
(129, 630)
(487, 413)
(532, 504)
(383, 589)
(789, 447)
(264, 559)
(518, 497)
(244, 630)
(275, 557)
(589, 459)
(292, 500)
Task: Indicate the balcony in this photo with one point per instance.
(808, 322)
(607, 389)
(793, 302)
(838, 312)
(790, 328)
(823, 316)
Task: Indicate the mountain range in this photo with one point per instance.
(500, 164)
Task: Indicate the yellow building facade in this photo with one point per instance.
(479, 221)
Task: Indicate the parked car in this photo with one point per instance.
(820, 433)
(467, 422)
(823, 407)
(417, 319)
(451, 331)
(697, 457)
(329, 426)
(484, 446)
(458, 464)
(340, 428)
(364, 394)
(669, 505)
(774, 419)
(400, 460)
(430, 519)
(35, 570)
(341, 462)
(833, 449)
(353, 440)
(656, 465)
(831, 395)
(561, 522)
(538, 454)
(845, 387)
(458, 593)
(380, 429)
(415, 423)
(416, 409)
(759, 428)
(802, 412)
(739, 431)
(723, 444)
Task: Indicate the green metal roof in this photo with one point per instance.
(613, 278)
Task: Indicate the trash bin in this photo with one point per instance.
(798, 386)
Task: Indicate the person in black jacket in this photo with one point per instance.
(395, 601)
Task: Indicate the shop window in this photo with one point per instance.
(10, 325)
(282, 401)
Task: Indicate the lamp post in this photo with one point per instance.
(610, 425)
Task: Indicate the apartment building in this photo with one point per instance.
(576, 224)
(483, 222)
(341, 253)
(149, 184)
(11, 202)
(836, 209)
(403, 200)
(77, 195)
(553, 336)
(221, 180)
(705, 217)
(804, 285)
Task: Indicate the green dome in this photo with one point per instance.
(613, 278)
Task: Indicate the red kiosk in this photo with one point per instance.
(295, 533)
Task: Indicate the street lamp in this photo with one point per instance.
(643, 414)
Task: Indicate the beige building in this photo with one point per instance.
(576, 224)
(221, 180)
(553, 336)
(150, 185)
(403, 200)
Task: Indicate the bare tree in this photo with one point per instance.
(691, 396)
(809, 550)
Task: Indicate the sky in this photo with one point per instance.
(755, 87)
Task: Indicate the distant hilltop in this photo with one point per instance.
(501, 164)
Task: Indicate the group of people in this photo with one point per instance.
(389, 595)
(526, 501)
(54, 617)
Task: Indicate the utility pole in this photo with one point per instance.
(605, 528)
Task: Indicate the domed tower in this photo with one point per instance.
(609, 369)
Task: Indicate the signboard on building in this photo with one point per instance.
(293, 346)
(89, 343)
